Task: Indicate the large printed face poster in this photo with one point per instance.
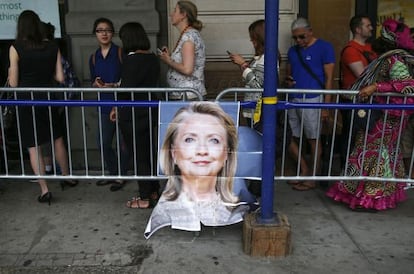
(48, 11)
(198, 151)
(402, 10)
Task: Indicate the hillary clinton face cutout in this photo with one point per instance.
(200, 147)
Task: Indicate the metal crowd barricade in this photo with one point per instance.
(81, 168)
(287, 169)
(84, 166)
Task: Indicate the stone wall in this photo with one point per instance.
(225, 28)
(79, 23)
(226, 25)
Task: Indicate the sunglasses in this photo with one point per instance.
(104, 31)
(299, 37)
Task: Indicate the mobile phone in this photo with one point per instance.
(228, 52)
(159, 51)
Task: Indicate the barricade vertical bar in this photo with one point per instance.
(400, 131)
(300, 147)
(101, 147)
(19, 136)
(118, 141)
(269, 110)
(134, 136)
(37, 147)
(282, 167)
(3, 142)
(151, 129)
(68, 140)
(381, 149)
(51, 145)
(317, 162)
(151, 133)
(85, 150)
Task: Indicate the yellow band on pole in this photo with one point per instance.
(270, 100)
(258, 111)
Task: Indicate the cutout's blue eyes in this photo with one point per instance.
(188, 139)
(215, 141)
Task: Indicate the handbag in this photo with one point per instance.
(364, 118)
(8, 113)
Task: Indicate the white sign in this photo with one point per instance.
(48, 11)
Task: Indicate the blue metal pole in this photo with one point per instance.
(269, 110)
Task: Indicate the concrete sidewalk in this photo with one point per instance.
(88, 229)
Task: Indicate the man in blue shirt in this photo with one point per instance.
(310, 65)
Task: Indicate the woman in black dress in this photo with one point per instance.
(140, 69)
(35, 62)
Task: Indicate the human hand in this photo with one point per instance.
(113, 114)
(367, 91)
(237, 59)
(164, 55)
(98, 82)
(290, 82)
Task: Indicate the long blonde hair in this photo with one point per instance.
(225, 177)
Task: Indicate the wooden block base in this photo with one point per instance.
(266, 240)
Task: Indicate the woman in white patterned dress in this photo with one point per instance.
(187, 60)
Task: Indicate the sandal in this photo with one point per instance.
(295, 182)
(137, 202)
(304, 186)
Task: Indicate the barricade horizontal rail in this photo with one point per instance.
(77, 115)
(285, 171)
(288, 171)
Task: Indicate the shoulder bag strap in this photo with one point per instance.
(308, 69)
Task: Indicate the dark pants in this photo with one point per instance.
(142, 152)
(110, 155)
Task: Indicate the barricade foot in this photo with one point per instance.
(266, 240)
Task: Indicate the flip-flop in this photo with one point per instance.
(293, 182)
(135, 203)
(132, 203)
(304, 186)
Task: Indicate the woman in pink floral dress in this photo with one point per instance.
(379, 155)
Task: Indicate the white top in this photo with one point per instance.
(196, 80)
(253, 77)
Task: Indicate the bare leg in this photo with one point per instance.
(294, 149)
(62, 159)
(312, 143)
(38, 166)
(303, 185)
